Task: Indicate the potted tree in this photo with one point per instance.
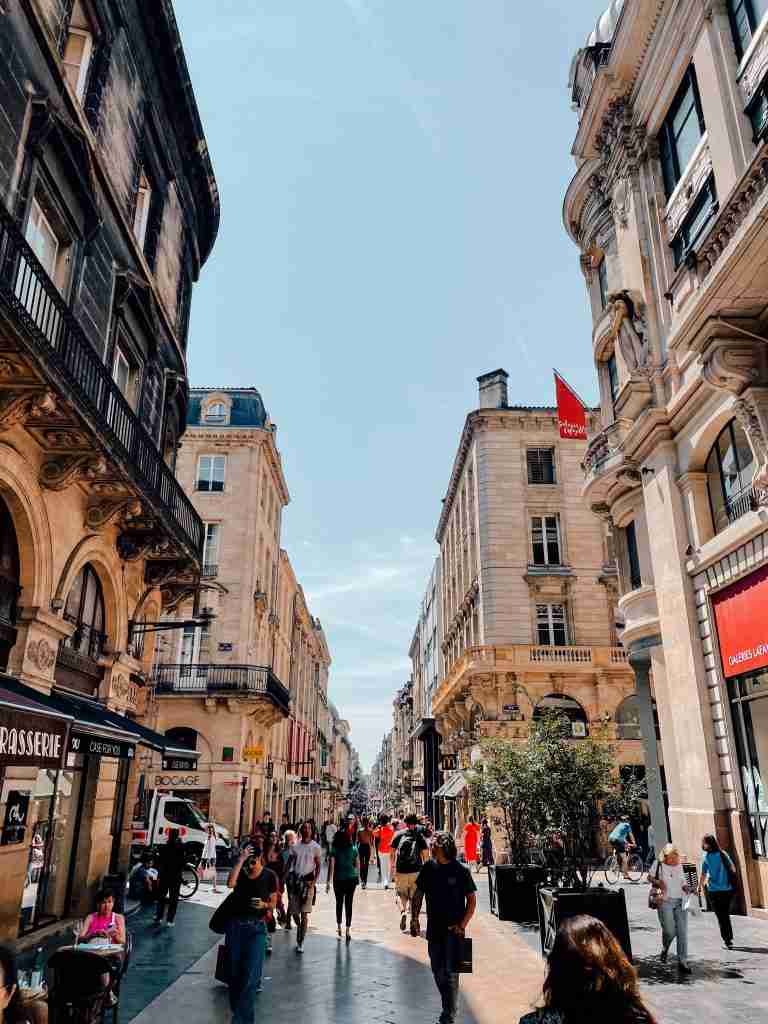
(575, 777)
(508, 786)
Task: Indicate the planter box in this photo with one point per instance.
(607, 905)
(513, 891)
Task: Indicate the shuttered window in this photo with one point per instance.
(541, 465)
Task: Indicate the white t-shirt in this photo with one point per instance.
(330, 832)
(304, 855)
(673, 878)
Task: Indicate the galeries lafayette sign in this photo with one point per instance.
(29, 739)
(741, 616)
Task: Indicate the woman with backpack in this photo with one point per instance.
(718, 874)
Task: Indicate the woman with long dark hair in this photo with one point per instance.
(589, 979)
(11, 1007)
(718, 876)
(343, 872)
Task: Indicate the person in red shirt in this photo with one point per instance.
(471, 842)
(385, 834)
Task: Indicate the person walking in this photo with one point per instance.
(171, 863)
(365, 847)
(410, 850)
(471, 842)
(386, 834)
(289, 841)
(329, 831)
(343, 873)
(486, 843)
(451, 897)
(255, 894)
(668, 880)
(589, 979)
(208, 861)
(718, 876)
(303, 870)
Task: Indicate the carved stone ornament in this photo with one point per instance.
(102, 513)
(590, 260)
(625, 330)
(18, 406)
(731, 365)
(41, 654)
(57, 474)
(10, 369)
(751, 417)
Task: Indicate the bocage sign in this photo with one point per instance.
(31, 739)
(177, 782)
(741, 616)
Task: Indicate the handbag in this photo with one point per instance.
(223, 965)
(656, 895)
(460, 954)
(222, 915)
(730, 870)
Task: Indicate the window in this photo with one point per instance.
(216, 412)
(633, 560)
(211, 549)
(125, 374)
(627, 719)
(182, 736)
(602, 281)
(541, 465)
(745, 16)
(141, 212)
(551, 625)
(42, 239)
(85, 608)
(612, 370)
(700, 214)
(210, 472)
(729, 468)
(561, 705)
(681, 131)
(545, 540)
(78, 51)
(749, 709)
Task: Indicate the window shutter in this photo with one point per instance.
(541, 465)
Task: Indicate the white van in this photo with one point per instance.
(167, 811)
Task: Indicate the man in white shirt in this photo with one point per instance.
(303, 871)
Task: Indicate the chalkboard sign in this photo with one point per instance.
(16, 812)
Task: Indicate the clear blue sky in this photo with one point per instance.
(391, 177)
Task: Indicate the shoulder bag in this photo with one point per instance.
(222, 915)
(656, 895)
(730, 869)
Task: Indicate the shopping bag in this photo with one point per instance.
(223, 968)
(460, 954)
(692, 905)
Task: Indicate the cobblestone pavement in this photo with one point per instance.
(383, 975)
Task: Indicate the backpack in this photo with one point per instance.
(408, 855)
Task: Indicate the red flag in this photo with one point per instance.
(571, 413)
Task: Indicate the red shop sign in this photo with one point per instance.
(741, 615)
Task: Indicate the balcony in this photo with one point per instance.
(61, 373)
(221, 680)
(605, 464)
(641, 614)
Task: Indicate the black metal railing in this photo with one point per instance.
(61, 345)
(202, 679)
(86, 640)
(9, 596)
(209, 571)
(747, 500)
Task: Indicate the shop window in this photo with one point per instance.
(562, 705)
(745, 17)
(545, 540)
(551, 625)
(541, 465)
(85, 608)
(681, 131)
(211, 470)
(730, 467)
(633, 558)
(749, 706)
(627, 719)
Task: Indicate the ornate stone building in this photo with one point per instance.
(668, 209)
(109, 210)
(528, 588)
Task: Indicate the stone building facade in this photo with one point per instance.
(528, 589)
(109, 210)
(668, 209)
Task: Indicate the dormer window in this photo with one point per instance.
(216, 412)
(78, 51)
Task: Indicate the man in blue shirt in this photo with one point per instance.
(621, 838)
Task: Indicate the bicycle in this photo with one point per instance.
(190, 882)
(614, 871)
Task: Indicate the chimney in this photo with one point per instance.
(493, 390)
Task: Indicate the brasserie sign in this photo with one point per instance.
(30, 739)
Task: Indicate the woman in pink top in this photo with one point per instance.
(105, 923)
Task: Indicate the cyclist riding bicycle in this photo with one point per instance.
(621, 839)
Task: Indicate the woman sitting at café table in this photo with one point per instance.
(104, 923)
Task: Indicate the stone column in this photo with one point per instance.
(640, 660)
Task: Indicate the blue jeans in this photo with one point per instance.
(246, 942)
(674, 924)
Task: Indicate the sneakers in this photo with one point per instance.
(415, 930)
(403, 918)
(349, 935)
(338, 930)
(299, 947)
(171, 924)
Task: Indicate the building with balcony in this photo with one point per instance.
(427, 659)
(109, 210)
(527, 586)
(668, 210)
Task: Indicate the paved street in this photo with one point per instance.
(383, 975)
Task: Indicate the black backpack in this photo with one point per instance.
(408, 854)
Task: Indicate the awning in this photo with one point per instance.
(31, 733)
(453, 787)
(96, 729)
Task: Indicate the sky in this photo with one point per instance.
(391, 176)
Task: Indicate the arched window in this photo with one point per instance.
(216, 412)
(730, 467)
(182, 736)
(85, 608)
(627, 719)
(9, 583)
(561, 704)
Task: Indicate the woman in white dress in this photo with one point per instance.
(668, 879)
(209, 856)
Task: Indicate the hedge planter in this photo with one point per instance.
(513, 890)
(607, 905)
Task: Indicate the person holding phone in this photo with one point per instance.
(255, 891)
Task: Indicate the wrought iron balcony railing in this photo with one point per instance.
(745, 501)
(71, 363)
(211, 679)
